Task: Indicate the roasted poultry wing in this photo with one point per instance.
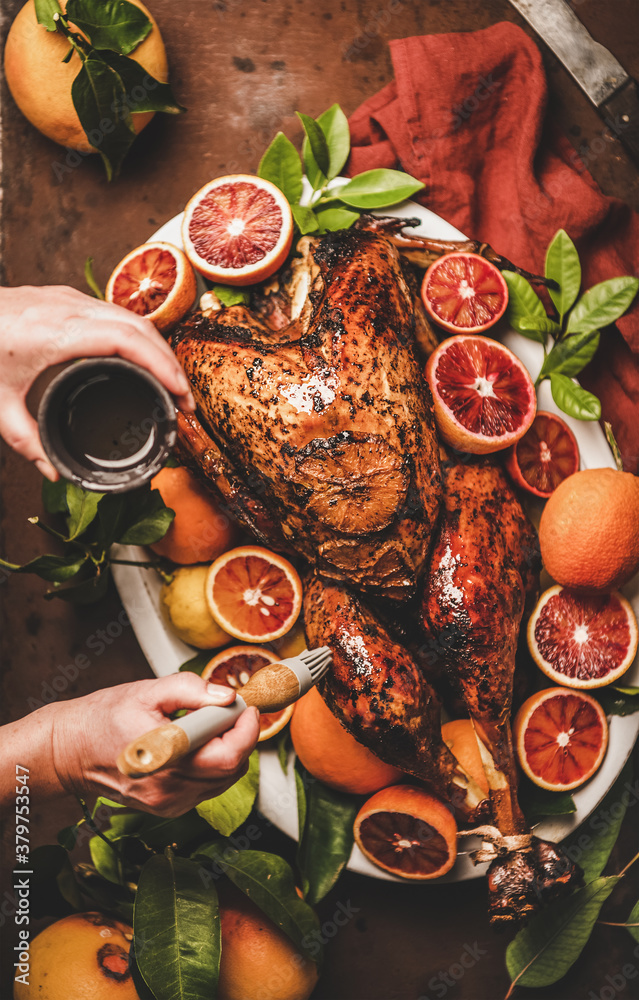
(328, 421)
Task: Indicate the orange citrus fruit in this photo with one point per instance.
(589, 530)
(561, 738)
(254, 594)
(83, 955)
(461, 739)
(234, 667)
(545, 456)
(237, 229)
(582, 640)
(484, 398)
(200, 530)
(407, 831)
(156, 281)
(259, 961)
(329, 752)
(464, 292)
(40, 82)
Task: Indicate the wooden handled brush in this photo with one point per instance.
(270, 689)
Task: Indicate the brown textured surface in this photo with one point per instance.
(243, 67)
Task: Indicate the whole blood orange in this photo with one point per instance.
(234, 667)
(254, 594)
(156, 281)
(201, 530)
(581, 640)
(237, 229)
(461, 739)
(545, 456)
(589, 530)
(407, 831)
(331, 754)
(484, 398)
(464, 292)
(561, 738)
(40, 82)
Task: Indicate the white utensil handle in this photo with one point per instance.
(212, 720)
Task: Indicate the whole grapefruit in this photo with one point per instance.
(40, 83)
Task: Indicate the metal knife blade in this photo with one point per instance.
(594, 68)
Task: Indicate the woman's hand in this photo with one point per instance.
(72, 746)
(47, 325)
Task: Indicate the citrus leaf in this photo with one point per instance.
(632, 923)
(334, 125)
(83, 509)
(379, 188)
(541, 325)
(562, 264)
(332, 219)
(616, 701)
(45, 9)
(268, 881)
(147, 518)
(229, 810)
(283, 744)
(54, 569)
(538, 802)
(554, 939)
(99, 97)
(281, 166)
(523, 302)
(87, 590)
(110, 24)
(230, 296)
(305, 219)
(602, 304)
(574, 400)
(143, 91)
(300, 794)
(89, 277)
(176, 924)
(54, 496)
(106, 861)
(198, 662)
(592, 844)
(327, 839)
(632, 691)
(570, 356)
(317, 141)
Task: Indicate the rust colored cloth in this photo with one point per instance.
(465, 114)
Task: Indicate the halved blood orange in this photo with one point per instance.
(234, 667)
(546, 455)
(257, 593)
(237, 229)
(582, 641)
(464, 293)
(155, 281)
(484, 397)
(561, 738)
(407, 831)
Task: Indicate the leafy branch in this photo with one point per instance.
(575, 328)
(110, 87)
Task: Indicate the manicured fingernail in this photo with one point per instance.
(46, 470)
(220, 695)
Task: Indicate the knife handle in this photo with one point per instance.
(621, 114)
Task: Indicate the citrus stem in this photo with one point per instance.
(76, 40)
(610, 923)
(629, 865)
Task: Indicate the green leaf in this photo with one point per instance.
(283, 745)
(110, 24)
(327, 841)
(334, 125)
(562, 264)
(83, 509)
(106, 860)
(229, 810)
(176, 923)
(591, 845)
(523, 303)
(88, 589)
(539, 324)
(379, 188)
(616, 701)
(148, 520)
(99, 97)
(602, 304)
(332, 219)
(305, 219)
(268, 881)
(281, 166)
(54, 569)
(570, 356)
(230, 296)
(54, 496)
(552, 942)
(632, 922)
(632, 691)
(537, 802)
(143, 91)
(45, 9)
(90, 279)
(317, 141)
(574, 400)
(198, 662)
(68, 835)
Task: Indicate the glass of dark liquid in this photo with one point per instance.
(107, 424)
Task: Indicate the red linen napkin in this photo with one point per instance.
(465, 115)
